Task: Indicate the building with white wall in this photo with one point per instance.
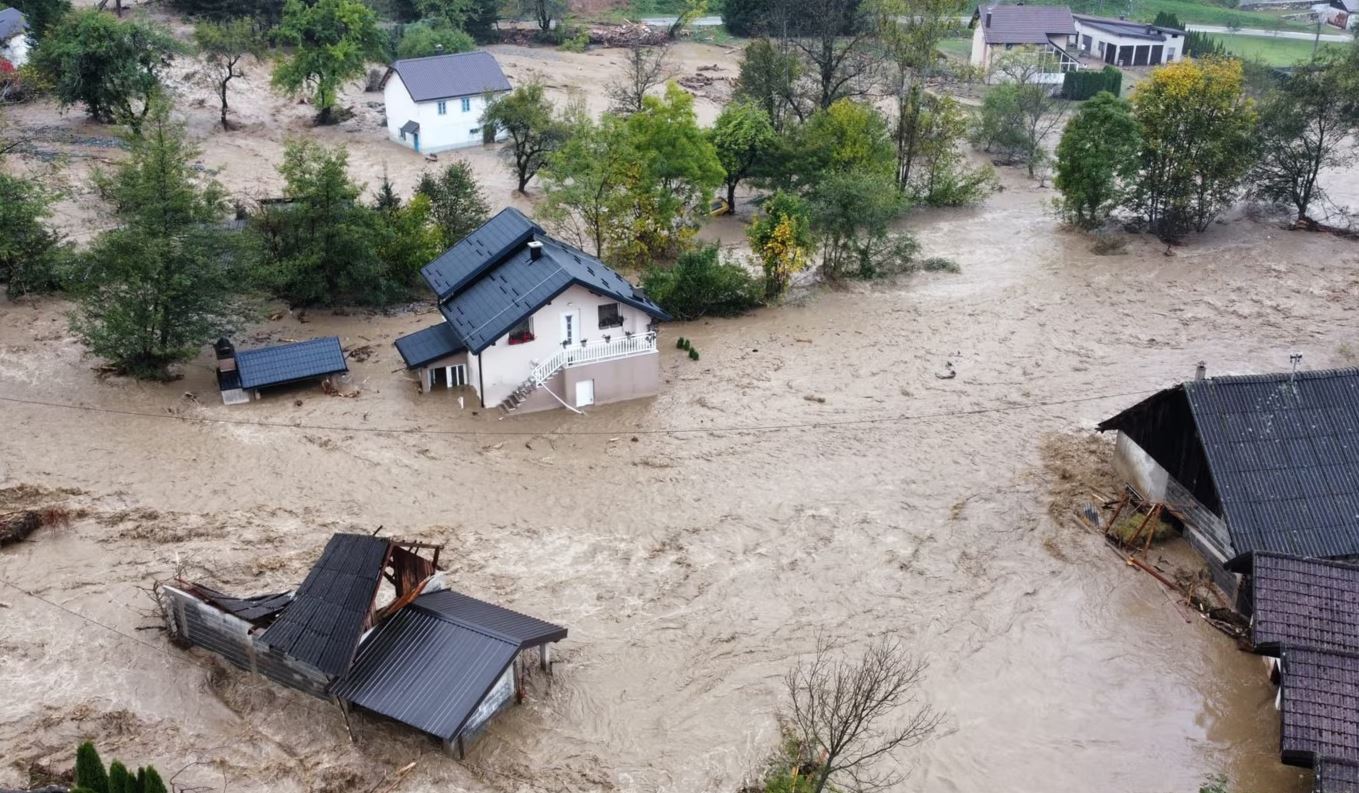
(436, 103)
(1119, 42)
(13, 36)
(1000, 28)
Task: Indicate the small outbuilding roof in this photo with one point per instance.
(1281, 453)
(1333, 776)
(1128, 29)
(429, 345)
(1023, 24)
(329, 612)
(448, 76)
(12, 23)
(290, 363)
(431, 665)
(410, 127)
(1305, 604)
(1318, 692)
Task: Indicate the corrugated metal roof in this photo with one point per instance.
(1318, 707)
(448, 76)
(1025, 24)
(1335, 777)
(434, 661)
(323, 624)
(430, 344)
(12, 23)
(1306, 604)
(290, 363)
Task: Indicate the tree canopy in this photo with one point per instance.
(527, 117)
(744, 138)
(331, 41)
(1096, 159)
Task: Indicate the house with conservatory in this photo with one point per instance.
(530, 323)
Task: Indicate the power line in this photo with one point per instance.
(794, 425)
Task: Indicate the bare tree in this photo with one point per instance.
(849, 714)
(646, 68)
(836, 43)
(1040, 111)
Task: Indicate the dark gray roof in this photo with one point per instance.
(1308, 604)
(323, 624)
(488, 283)
(1318, 692)
(1283, 452)
(435, 660)
(447, 76)
(430, 344)
(290, 363)
(253, 608)
(410, 127)
(12, 23)
(1128, 29)
(1024, 24)
(1333, 776)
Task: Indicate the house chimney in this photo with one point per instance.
(988, 19)
(1201, 371)
(535, 250)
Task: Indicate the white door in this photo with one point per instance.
(585, 393)
(570, 327)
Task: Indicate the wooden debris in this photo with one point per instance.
(16, 526)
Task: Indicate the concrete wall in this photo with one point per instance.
(453, 129)
(980, 52)
(505, 366)
(427, 372)
(618, 380)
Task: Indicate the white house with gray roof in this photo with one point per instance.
(1122, 43)
(998, 29)
(13, 36)
(436, 103)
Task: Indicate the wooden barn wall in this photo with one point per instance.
(1165, 429)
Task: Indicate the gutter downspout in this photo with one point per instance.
(481, 383)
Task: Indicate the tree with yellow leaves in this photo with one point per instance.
(781, 237)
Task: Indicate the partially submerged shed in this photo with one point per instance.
(243, 374)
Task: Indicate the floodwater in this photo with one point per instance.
(693, 561)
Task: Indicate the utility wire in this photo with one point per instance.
(793, 425)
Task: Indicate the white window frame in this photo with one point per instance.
(467, 104)
(443, 108)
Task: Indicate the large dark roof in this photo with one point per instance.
(254, 608)
(488, 282)
(1128, 29)
(434, 661)
(1283, 451)
(430, 344)
(1319, 692)
(1024, 24)
(1310, 604)
(12, 23)
(330, 610)
(1335, 777)
(447, 76)
(290, 363)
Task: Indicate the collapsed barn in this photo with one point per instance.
(437, 660)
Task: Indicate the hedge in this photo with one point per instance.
(1085, 84)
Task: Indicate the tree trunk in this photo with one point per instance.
(223, 91)
(731, 198)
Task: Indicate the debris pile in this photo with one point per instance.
(628, 34)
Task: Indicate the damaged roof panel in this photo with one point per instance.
(523, 630)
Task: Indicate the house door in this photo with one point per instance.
(570, 328)
(585, 393)
(1156, 53)
(1109, 51)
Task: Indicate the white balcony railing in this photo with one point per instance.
(593, 352)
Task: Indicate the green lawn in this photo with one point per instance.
(960, 48)
(1271, 52)
(1188, 11)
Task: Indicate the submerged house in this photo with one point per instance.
(434, 659)
(531, 323)
(1253, 463)
(1304, 616)
(13, 37)
(242, 375)
(436, 103)
(999, 28)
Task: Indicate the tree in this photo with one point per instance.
(527, 117)
(744, 137)
(224, 45)
(1306, 127)
(1198, 142)
(544, 12)
(1037, 111)
(89, 770)
(30, 251)
(768, 77)
(152, 782)
(835, 42)
(746, 18)
(41, 15)
(432, 38)
(782, 240)
(999, 127)
(847, 136)
(935, 171)
(120, 781)
(688, 11)
(700, 285)
(850, 213)
(644, 69)
(265, 13)
(483, 20)
(584, 181)
(331, 40)
(405, 238)
(451, 13)
(1096, 160)
(111, 67)
(166, 280)
(457, 204)
(847, 714)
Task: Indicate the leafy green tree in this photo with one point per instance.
(535, 132)
(746, 18)
(585, 180)
(89, 770)
(224, 45)
(405, 237)
(331, 41)
(111, 67)
(1037, 112)
(41, 15)
(483, 19)
(936, 172)
(1198, 144)
(781, 238)
(120, 781)
(850, 213)
(999, 127)
(768, 77)
(847, 136)
(452, 13)
(165, 281)
(457, 204)
(744, 138)
(1096, 160)
(700, 285)
(432, 38)
(265, 13)
(546, 13)
(30, 251)
(1167, 19)
(1307, 126)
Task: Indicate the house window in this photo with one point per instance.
(522, 332)
(474, 131)
(610, 316)
(467, 104)
(443, 108)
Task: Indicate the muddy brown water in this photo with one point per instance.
(692, 567)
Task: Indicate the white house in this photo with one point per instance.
(1122, 43)
(436, 103)
(999, 28)
(13, 36)
(531, 323)
(1343, 14)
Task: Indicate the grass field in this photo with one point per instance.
(960, 48)
(1271, 52)
(1190, 12)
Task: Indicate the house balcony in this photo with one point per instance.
(593, 351)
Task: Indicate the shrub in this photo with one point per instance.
(693, 354)
(699, 284)
(578, 42)
(681, 343)
(940, 264)
(432, 38)
(1082, 85)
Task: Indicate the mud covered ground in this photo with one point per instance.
(811, 473)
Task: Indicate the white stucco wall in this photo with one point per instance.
(453, 129)
(1174, 45)
(979, 48)
(15, 50)
(504, 366)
